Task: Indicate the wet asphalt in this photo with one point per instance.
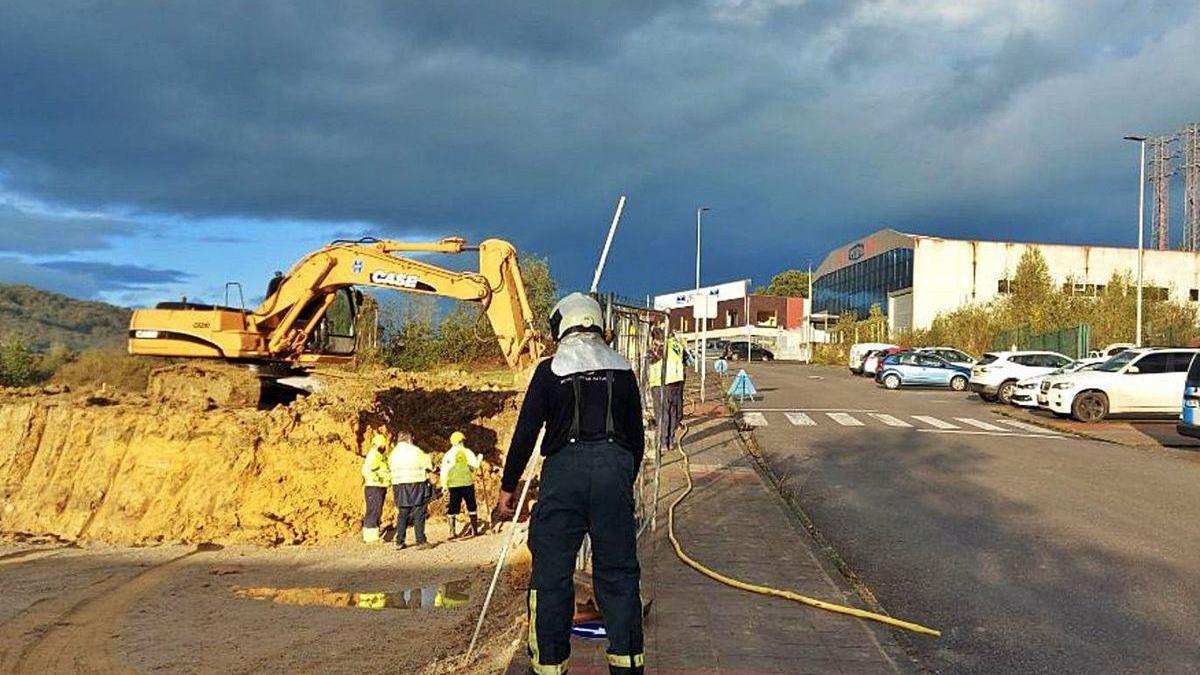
(1032, 551)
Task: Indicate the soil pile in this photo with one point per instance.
(141, 469)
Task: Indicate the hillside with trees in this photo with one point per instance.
(39, 320)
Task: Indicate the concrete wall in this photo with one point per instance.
(948, 274)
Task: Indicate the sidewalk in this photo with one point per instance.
(737, 524)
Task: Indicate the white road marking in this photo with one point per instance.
(934, 422)
(864, 410)
(1002, 432)
(889, 420)
(844, 419)
(754, 419)
(1025, 426)
(800, 419)
(979, 424)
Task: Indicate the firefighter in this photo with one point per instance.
(459, 465)
(587, 398)
(376, 478)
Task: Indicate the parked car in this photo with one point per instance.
(858, 354)
(1112, 349)
(1025, 394)
(874, 357)
(1189, 412)
(921, 369)
(757, 353)
(956, 356)
(1142, 381)
(995, 375)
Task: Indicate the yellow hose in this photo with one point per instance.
(765, 590)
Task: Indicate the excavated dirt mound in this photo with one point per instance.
(136, 469)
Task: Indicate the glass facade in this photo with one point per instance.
(856, 287)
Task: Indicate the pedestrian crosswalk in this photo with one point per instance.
(867, 419)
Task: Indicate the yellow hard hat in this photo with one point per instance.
(457, 437)
(378, 440)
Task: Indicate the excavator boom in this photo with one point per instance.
(308, 316)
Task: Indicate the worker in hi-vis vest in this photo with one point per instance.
(587, 398)
(376, 479)
(667, 365)
(459, 465)
(411, 469)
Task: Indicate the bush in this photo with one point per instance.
(18, 365)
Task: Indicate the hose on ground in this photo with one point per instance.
(766, 590)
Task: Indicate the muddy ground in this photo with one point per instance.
(191, 530)
(187, 609)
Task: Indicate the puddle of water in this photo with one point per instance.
(449, 595)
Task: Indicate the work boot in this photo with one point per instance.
(424, 546)
(370, 535)
(453, 534)
(474, 525)
(400, 545)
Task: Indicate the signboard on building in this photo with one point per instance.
(727, 291)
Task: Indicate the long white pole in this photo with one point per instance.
(612, 229)
(1141, 238)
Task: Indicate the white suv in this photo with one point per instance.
(1026, 393)
(1146, 381)
(995, 374)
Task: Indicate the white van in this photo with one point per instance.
(858, 352)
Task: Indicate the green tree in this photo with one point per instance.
(540, 288)
(789, 283)
(1033, 301)
(18, 365)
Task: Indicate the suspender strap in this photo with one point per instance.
(578, 397)
(609, 426)
(608, 420)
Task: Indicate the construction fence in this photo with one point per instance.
(1073, 342)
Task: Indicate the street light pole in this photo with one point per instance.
(703, 315)
(1141, 140)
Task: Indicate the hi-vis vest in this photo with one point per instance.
(674, 352)
(408, 464)
(375, 470)
(458, 467)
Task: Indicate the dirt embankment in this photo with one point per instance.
(139, 469)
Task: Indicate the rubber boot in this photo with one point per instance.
(474, 525)
(452, 533)
(370, 535)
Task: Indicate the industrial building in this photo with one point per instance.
(913, 278)
(732, 306)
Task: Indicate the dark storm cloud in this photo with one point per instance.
(36, 233)
(803, 124)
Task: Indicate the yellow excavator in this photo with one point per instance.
(309, 315)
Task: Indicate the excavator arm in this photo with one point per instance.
(281, 329)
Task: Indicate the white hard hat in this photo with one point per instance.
(576, 311)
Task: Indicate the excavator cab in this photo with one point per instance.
(334, 334)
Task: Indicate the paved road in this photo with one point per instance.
(1033, 551)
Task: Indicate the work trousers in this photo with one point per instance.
(374, 496)
(459, 496)
(586, 488)
(668, 411)
(407, 510)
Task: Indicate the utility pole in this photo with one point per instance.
(1141, 141)
(703, 315)
(1189, 138)
(1160, 178)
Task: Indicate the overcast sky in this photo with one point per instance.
(153, 149)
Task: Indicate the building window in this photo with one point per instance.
(1004, 287)
(855, 288)
(1156, 293)
(731, 318)
(1194, 295)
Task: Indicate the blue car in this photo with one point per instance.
(912, 369)
(1189, 414)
